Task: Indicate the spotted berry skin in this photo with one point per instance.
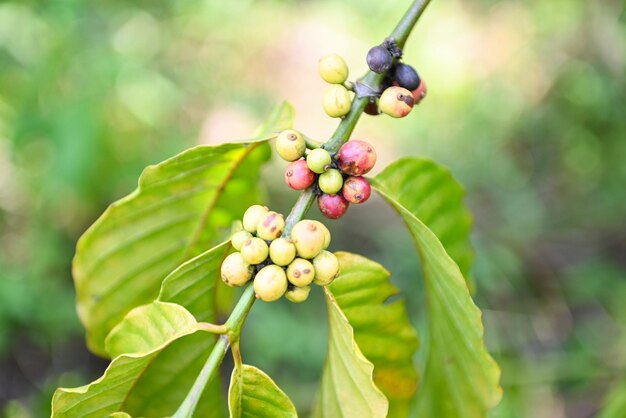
(356, 158)
(406, 76)
(396, 102)
(300, 272)
(379, 59)
(298, 176)
(332, 206)
(308, 237)
(356, 189)
(235, 270)
(419, 93)
(270, 226)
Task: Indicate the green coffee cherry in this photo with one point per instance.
(326, 233)
(318, 160)
(300, 272)
(336, 101)
(308, 238)
(282, 251)
(254, 251)
(331, 181)
(235, 271)
(252, 216)
(270, 283)
(271, 225)
(326, 268)
(298, 294)
(290, 145)
(240, 238)
(333, 69)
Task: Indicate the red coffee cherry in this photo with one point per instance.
(356, 157)
(332, 206)
(298, 176)
(356, 189)
(420, 92)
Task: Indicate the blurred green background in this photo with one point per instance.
(526, 105)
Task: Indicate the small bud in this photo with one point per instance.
(396, 102)
(252, 216)
(356, 189)
(406, 76)
(254, 251)
(308, 238)
(379, 59)
(240, 238)
(290, 145)
(419, 93)
(333, 69)
(282, 251)
(326, 268)
(270, 283)
(298, 176)
(318, 160)
(235, 271)
(332, 206)
(331, 181)
(300, 272)
(356, 157)
(298, 294)
(336, 101)
(270, 226)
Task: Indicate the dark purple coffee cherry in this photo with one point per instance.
(406, 77)
(379, 59)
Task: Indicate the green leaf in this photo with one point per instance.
(347, 386)
(429, 191)
(461, 379)
(193, 283)
(614, 404)
(382, 330)
(252, 393)
(182, 206)
(165, 350)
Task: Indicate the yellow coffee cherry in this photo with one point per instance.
(326, 268)
(270, 283)
(326, 233)
(252, 216)
(235, 271)
(298, 294)
(271, 225)
(300, 272)
(290, 145)
(240, 238)
(336, 101)
(308, 238)
(254, 251)
(282, 251)
(333, 69)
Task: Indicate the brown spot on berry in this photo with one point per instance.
(306, 271)
(296, 273)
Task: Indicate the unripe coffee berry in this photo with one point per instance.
(406, 76)
(270, 283)
(396, 102)
(379, 59)
(333, 69)
(235, 271)
(254, 251)
(298, 294)
(282, 251)
(331, 181)
(290, 145)
(240, 238)
(252, 216)
(298, 176)
(332, 206)
(336, 101)
(419, 93)
(300, 272)
(308, 238)
(326, 233)
(356, 189)
(271, 226)
(356, 157)
(326, 268)
(318, 160)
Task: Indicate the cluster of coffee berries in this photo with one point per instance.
(278, 265)
(337, 180)
(334, 70)
(403, 86)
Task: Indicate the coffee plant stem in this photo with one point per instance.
(340, 136)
